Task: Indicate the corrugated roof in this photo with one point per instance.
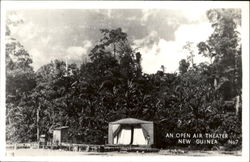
(131, 121)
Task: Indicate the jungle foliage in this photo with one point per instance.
(112, 86)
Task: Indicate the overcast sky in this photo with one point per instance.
(160, 34)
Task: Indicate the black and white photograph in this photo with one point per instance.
(157, 80)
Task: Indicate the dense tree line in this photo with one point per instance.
(112, 86)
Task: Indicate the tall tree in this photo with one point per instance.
(20, 80)
(189, 47)
(183, 66)
(224, 48)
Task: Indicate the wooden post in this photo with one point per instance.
(132, 135)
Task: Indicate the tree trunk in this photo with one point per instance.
(237, 105)
(114, 51)
(37, 122)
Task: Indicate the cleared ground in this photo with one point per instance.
(48, 152)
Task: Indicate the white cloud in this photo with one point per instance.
(26, 31)
(45, 40)
(76, 53)
(163, 53)
(73, 54)
(148, 41)
(193, 32)
(14, 17)
(194, 15)
(160, 34)
(146, 14)
(169, 53)
(37, 58)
